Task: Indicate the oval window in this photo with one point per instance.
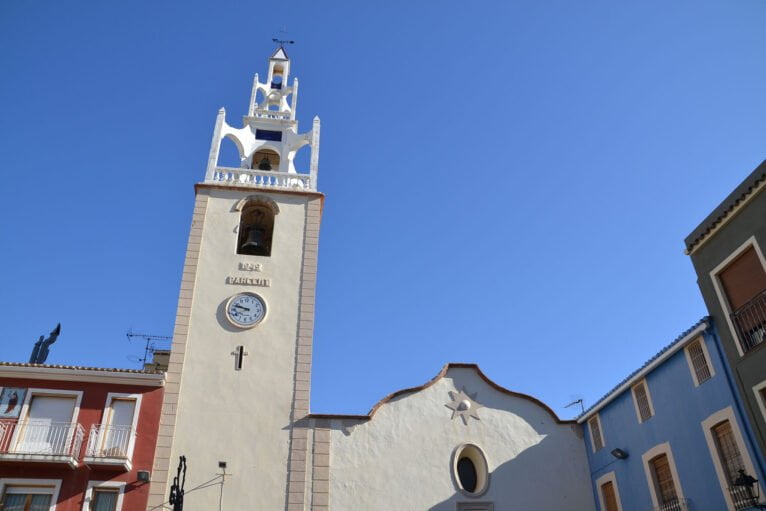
(470, 470)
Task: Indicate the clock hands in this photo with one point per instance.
(238, 306)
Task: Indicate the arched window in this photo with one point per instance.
(256, 228)
(265, 159)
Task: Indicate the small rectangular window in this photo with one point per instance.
(274, 136)
(699, 362)
(595, 433)
(104, 499)
(643, 402)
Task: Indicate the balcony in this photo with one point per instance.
(745, 497)
(750, 322)
(675, 504)
(110, 446)
(262, 178)
(41, 441)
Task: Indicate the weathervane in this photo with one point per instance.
(282, 42)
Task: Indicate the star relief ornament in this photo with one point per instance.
(463, 405)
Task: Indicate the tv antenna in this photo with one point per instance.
(150, 344)
(576, 402)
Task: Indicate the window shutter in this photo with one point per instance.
(609, 496)
(743, 279)
(642, 401)
(699, 362)
(595, 431)
(731, 457)
(666, 488)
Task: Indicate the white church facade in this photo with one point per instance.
(245, 321)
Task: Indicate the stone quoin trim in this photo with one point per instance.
(320, 470)
(159, 478)
(299, 433)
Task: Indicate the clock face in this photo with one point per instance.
(246, 309)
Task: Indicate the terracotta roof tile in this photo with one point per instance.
(78, 368)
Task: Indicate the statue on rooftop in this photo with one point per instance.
(40, 351)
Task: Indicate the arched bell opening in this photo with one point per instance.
(229, 153)
(277, 76)
(265, 159)
(256, 228)
(302, 159)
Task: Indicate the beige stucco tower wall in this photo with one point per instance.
(214, 409)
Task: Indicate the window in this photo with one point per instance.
(256, 228)
(729, 456)
(103, 496)
(728, 452)
(596, 438)
(104, 499)
(29, 494)
(47, 423)
(119, 425)
(662, 478)
(698, 360)
(608, 493)
(642, 401)
(760, 397)
(740, 282)
(610, 499)
(470, 470)
(274, 136)
(743, 279)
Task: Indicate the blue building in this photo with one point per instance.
(671, 435)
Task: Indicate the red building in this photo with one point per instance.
(77, 438)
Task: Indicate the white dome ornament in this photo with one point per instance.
(463, 405)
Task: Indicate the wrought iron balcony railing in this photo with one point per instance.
(107, 441)
(750, 322)
(41, 438)
(674, 505)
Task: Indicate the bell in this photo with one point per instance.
(264, 164)
(255, 244)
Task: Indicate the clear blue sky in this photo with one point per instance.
(508, 183)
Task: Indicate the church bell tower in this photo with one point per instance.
(240, 367)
